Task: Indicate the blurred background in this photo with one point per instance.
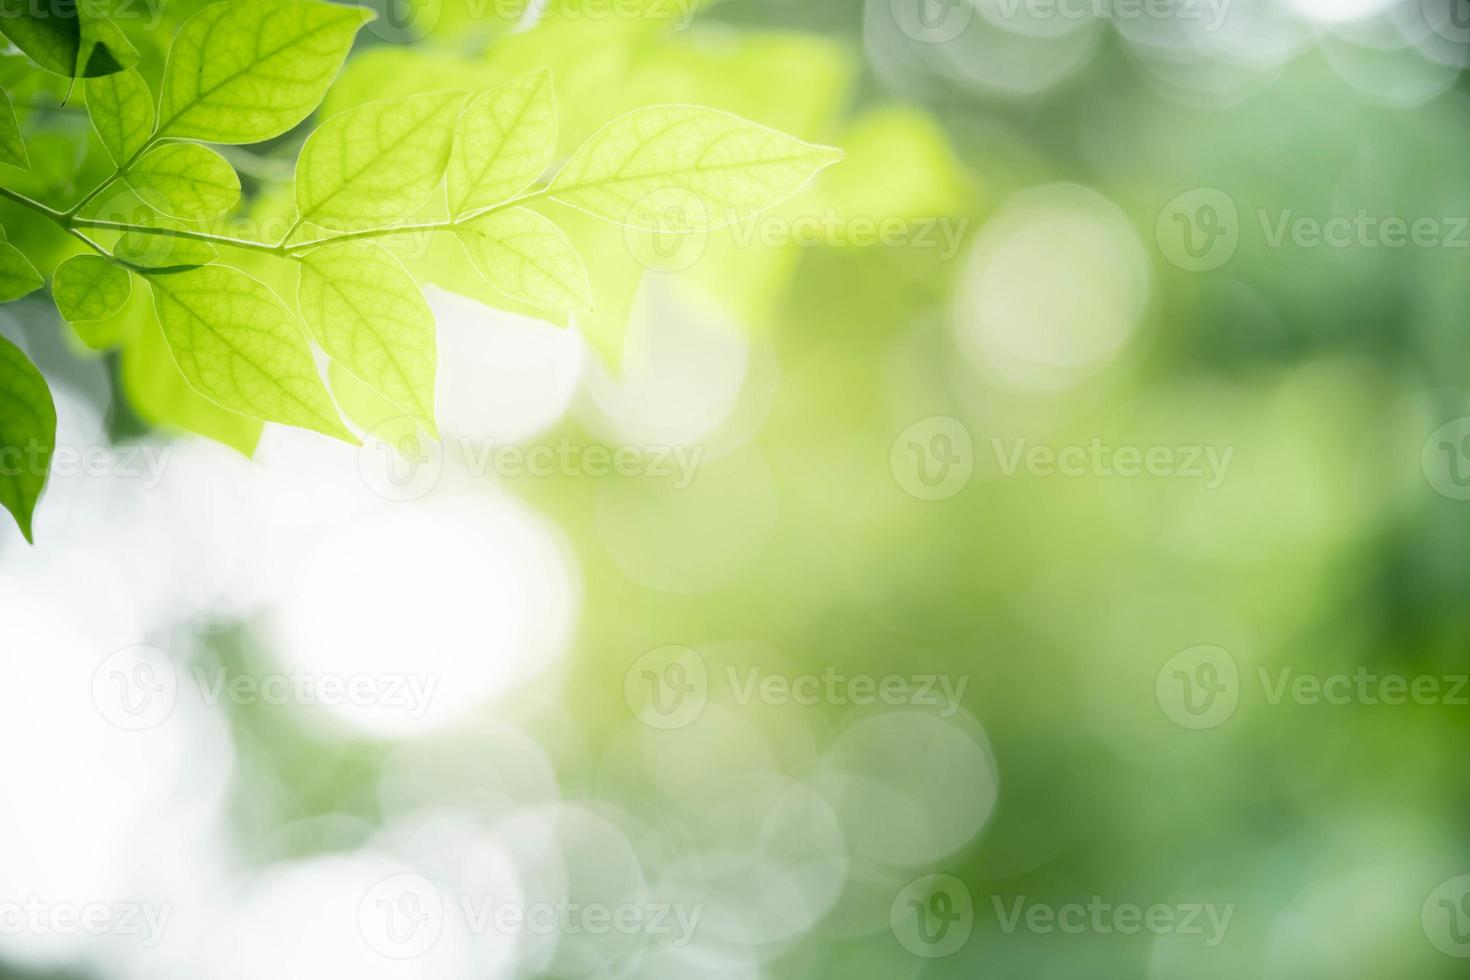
(1034, 551)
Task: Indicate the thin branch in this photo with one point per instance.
(450, 225)
(118, 174)
(198, 236)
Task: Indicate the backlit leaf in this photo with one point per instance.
(378, 163)
(27, 434)
(121, 107)
(526, 257)
(684, 168)
(12, 147)
(248, 71)
(238, 345)
(505, 139)
(186, 180)
(17, 276)
(89, 287)
(368, 314)
(152, 251)
(66, 37)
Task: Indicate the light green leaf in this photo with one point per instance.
(145, 250)
(66, 37)
(12, 147)
(247, 72)
(121, 107)
(88, 287)
(505, 139)
(17, 276)
(684, 168)
(368, 314)
(103, 48)
(237, 345)
(186, 180)
(526, 257)
(27, 434)
(377, 163)
(158, 392)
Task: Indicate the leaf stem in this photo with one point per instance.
(450, 225)
(71, 224)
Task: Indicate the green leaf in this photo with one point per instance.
(368, 314)
(145, 250)
(158, 392)
(121, 107)
(377, 163)
(88, 287)
(246, 72)
(103, 49)
(186, 180)
(27, 434)
(505, 139)
(526, 257)
(65, 40)
(12, 147)
(237, 345)
(684, 168)
(17, 276)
